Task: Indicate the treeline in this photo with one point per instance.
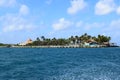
(40, 41)
(1, 44)
(48, 41)
(5, 45)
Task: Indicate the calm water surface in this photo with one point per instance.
(59, 64)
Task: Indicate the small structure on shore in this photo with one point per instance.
(91, 43)
(29, 41)
(107, 44)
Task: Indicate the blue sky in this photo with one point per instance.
(23, 19)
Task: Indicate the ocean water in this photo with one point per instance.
(59, 63)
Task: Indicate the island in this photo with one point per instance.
(83, 41)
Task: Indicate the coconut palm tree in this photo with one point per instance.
(72, 39)
(37, 39)
(43, 38)
(76, 39)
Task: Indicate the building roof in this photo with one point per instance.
(91, 40)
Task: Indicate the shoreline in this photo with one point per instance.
(67, 46)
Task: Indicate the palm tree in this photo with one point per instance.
(76, 39)
(43, 38)
(85, 35)
(89, 37)
(37, 39)
(95, 39)
(72, 39)
(102, 38)
(54, 41)
(109, 38)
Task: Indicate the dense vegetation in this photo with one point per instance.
(71, 40)
(6, 45)
(1, 44)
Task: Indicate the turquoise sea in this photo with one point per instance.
(59, 63)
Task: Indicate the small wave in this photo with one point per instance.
(92, 73)
(83, 77)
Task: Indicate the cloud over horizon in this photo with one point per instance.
(69, 17)
(62, 24)
(15, 21)
(103, 7)
(76, 6)
(24, 10)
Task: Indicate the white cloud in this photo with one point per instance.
(7, 3)
(104, 7)
(118, 10)
(62, 24)
(15, 23)
(76, 6)
(24, 10)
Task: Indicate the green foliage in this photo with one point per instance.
(102, 38)
(1, 44)
(5, 45)
(74, 39)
